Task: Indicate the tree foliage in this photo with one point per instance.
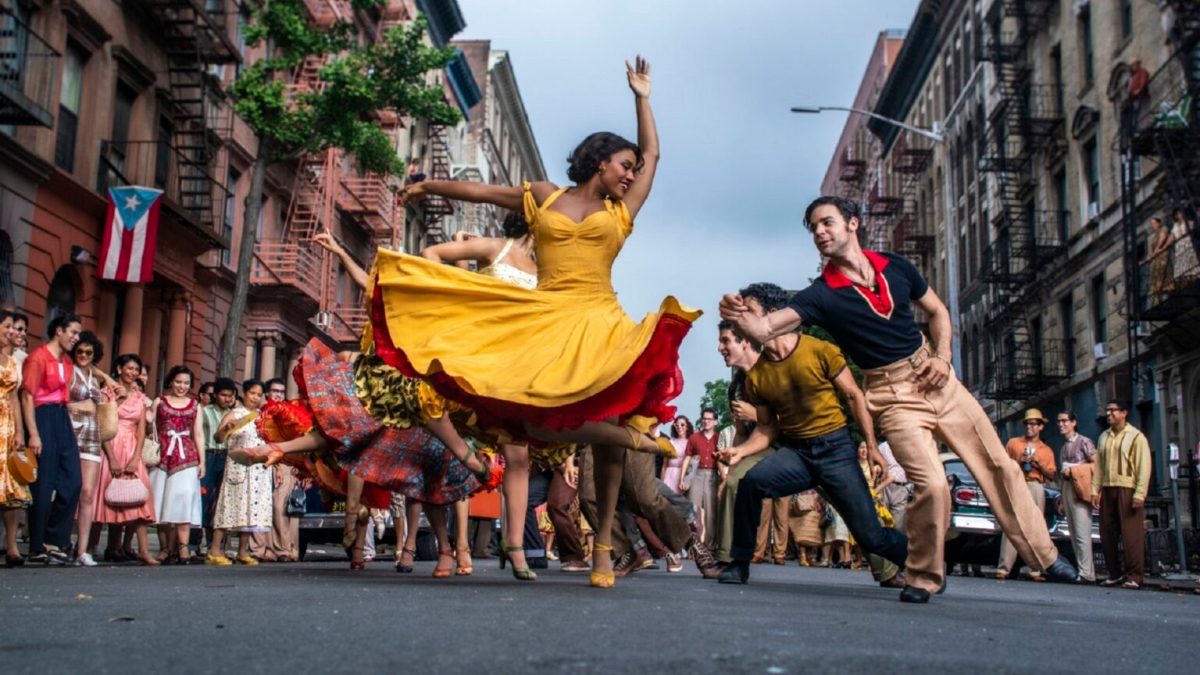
(358, 80)
(716, 396)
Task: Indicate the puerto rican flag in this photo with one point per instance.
(130, 234)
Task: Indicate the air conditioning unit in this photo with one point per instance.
(1093, 210)
(323, 320)
(1142, 329)
(1100, 351)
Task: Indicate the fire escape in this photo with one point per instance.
(1027, 119)
(1165, 126)
(911, 157)
(852, 175)
(28, 66)
(884, 203)
(435, 207)
(327, 192)
(186, 160)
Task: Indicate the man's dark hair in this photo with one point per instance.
(585, 159)
(274, 381)
(710, 410)
(514, 226)
(87, 337)
(770, 296)
(251, 383)
(847, 208)
(726, 324)
(1120, 403)
(1070, 415)
(61, 322)
(225, 384)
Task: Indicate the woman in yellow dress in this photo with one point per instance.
(13, 495)
(562, 363)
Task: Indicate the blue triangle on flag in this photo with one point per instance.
(132, 202)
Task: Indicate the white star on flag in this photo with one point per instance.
(132, 202)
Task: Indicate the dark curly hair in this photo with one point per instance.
(585, 159)
(87, 337)
(770, 296)
(846, 207)
(176, 371)
(125, 359)
(515, 226)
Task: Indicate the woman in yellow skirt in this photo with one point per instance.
(561, 363)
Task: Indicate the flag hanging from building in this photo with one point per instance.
(130, 234)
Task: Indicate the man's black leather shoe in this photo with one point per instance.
(1062, 571)
(738, 572)
(914, 594)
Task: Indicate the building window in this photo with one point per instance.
(1126, 19)
(162, 157)
(1066, 318)
(112, 167)
(1091, 175)
(68, 107)
(1035, 344)
(1099, 310)
(6, 266)
(60, 299)
(230, 208)
(1056, 73)
(1062, 205)
(1087, 45)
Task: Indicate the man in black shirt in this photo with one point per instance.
(865, 300)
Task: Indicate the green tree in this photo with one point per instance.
(716, 396)
(359, 80)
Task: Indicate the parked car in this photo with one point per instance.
(325, 516)
(974, 536)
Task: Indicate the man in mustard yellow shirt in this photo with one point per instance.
(1119, 491)
(795, 387)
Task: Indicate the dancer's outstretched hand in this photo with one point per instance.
(413, 192)
(326, 241)
(732, 307)
(639, 77)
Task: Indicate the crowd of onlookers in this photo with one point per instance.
(82, 450)
(107, 455)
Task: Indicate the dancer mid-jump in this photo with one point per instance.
(562, 363)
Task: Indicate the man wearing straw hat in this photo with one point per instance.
(1036, 460)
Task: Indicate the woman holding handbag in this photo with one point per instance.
(181, 467)
(87, 385)
(14, 495)
(123, 497)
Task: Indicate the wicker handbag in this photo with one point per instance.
(125, 491)
(151, 449)
(106, 420)
(22, 464)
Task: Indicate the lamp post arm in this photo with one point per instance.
(932, 135)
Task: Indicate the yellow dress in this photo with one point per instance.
(558, 355)
(12, 493)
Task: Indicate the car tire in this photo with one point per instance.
(426, 546)
(302, 548)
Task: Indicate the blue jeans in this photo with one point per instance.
(829, 461)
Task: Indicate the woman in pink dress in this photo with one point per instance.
(681, 429)
(122, 457)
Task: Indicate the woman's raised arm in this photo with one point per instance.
(639, 82)
(480, 193)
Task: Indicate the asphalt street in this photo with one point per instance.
(320, 617)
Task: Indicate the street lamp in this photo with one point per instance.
(935, 135)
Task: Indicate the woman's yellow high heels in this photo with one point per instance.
(601, 579)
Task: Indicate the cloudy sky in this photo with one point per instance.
(737, 167)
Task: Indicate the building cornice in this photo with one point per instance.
(916, 59)
(512, 108)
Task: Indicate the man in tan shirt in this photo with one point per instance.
(1119, 491)
(1036, 460)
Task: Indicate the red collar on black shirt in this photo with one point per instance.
(880, 302)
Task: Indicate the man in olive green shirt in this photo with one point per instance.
(795, 387)
(1119, 491)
